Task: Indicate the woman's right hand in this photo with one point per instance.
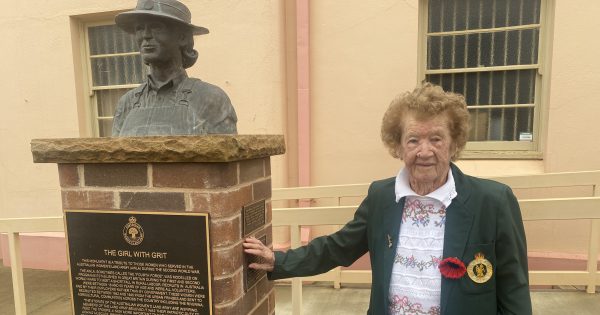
(255, 247)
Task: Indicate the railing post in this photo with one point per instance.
(337, 282)
(296, 282)
(14, 248)
(592, 263)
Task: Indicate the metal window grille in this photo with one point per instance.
(488, 50)
(114, 67)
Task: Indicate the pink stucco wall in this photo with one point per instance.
(46, 251)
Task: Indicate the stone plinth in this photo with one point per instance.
(216, 174)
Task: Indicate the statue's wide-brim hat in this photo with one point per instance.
(171, 10)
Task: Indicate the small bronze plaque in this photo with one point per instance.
(139, 262)
(253, 216)
(252, 276)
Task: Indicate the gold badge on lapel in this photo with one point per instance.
(480, 270)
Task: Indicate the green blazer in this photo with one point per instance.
(484, 217)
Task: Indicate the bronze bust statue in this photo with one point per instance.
(169, 102)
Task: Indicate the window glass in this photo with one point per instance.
(109, 39)
(508, 48)
(487, 50)
(115, 66)
(107, 101)
(117, 70)
(460, 15)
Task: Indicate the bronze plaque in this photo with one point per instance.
(253, 216)
(139, 262)
(252, 276)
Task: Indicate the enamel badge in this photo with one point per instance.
(480, 270)
(133, 232)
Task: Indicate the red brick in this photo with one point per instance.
(251, 170)
(272, 302)
(227, 261)
(68, 175)
(262, 308)
(262, 189)
(250, 299)
(194, 175)
(222, 204)
(269, 233)
(200, 202)
(116, 175)
(269, 214)
(264, 287)
(268, 166)
(225, 232)
(166, 201)
(228, 289)
(235, 308)
(85, 199)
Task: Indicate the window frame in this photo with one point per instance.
(91, 98)
(505, 149)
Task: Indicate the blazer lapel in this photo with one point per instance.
(391, 229)
(459, 220)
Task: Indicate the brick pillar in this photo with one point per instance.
(214, 174)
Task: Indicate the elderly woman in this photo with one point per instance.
(440, 241)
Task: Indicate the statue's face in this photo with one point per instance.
(159, 42)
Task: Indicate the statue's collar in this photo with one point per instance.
(175, 80)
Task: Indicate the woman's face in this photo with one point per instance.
(426, 148)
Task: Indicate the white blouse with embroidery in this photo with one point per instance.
(416, 280)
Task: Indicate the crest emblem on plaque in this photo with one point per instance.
(133, 232)
(480, 270)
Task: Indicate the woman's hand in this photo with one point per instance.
(255, 247)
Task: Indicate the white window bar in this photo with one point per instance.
(115, 87)
(519, 38)
(478, 91)
(486, 30)
(132, 53)
(483, 69)
(500, 106)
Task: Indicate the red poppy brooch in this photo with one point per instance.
(452, 268)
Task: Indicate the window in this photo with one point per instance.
(490, 51)
(114, 66)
